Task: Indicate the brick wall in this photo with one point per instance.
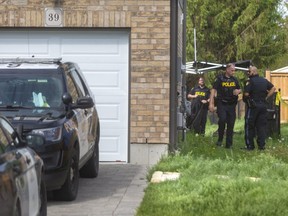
(149, 22)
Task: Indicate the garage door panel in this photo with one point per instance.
(13, 44)
(108, 81)
(40, 48)
(104, 49)
(103, 79)
(109, 112)
(110, 145)
(97, 93)
(100, 47)
(112, 112)
(45, 44)
(88, 59)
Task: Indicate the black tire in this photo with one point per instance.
(91, 168)
(69, 190)
(43, 198)
(18, 209)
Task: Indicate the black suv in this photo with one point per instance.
(51, 98)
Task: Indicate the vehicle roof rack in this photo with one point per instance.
(30, 60)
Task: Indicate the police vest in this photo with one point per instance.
(203, 93)
(225, 89)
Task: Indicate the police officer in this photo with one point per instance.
(227, 89)
(256, 92)
(200, 95)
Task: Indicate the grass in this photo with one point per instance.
(217, 181)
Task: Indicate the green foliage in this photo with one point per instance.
(230, 31)
(281, 61)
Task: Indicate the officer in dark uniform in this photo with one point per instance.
(226, 88)
(200, 95)
(256, 92)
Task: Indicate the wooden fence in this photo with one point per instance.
(280, 81)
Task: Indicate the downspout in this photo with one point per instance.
(173, 77)
(183, 69)
(177, 73)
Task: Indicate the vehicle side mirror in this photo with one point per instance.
(84, 103)
(67, 98)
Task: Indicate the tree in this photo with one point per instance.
(229, 31)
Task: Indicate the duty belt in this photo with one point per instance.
(259, 100)
(228, 102)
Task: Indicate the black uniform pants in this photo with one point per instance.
(200, 119)
(255, 122)
(227, 116)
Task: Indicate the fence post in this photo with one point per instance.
(268, 75)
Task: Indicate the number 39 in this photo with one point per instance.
(53, 17)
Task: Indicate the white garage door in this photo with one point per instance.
(103, 57)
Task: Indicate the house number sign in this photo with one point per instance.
(53, 17)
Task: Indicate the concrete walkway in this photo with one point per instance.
(117, 191)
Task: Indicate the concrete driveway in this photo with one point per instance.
(118, 190)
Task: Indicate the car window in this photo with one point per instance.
(79, 82)
(72, 88)
(3, 138)
(31, 88)
(3, 141)
(2, 148)
(8, 130)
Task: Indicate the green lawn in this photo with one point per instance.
(217, 181)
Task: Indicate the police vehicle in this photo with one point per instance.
(22, 187)
(51, 98)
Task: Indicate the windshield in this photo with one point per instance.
(30, 88)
